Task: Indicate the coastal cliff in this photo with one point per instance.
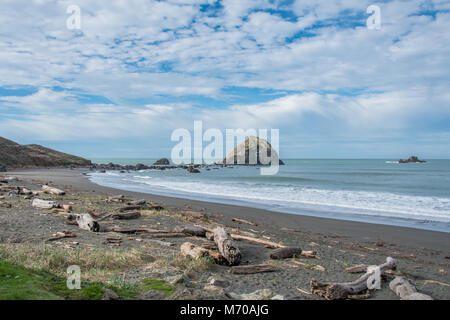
(13, 154)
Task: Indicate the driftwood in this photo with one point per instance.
(86, 222)
(337, 291)
(284, 253)
(43, 204)
(191, 230)
(118, 198)
(138, 203)
(193, 251)
(406, 291)
(259, 268)
(244, 221)
(51, 190)
(209, 235)
(309, 254)
(62, 235)
(126, 215)
(267, 243)
(166, 234)
(126, 231)
(226, 246)
(357, 269)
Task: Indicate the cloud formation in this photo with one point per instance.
(310, 68)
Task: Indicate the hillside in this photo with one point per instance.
(13, 154)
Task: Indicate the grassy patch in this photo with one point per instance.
(160, 285)
(20, 283)
(53, 259)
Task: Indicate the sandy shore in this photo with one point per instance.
(422, 255)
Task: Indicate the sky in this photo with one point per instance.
(135, 71)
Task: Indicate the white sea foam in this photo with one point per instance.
(364, 203)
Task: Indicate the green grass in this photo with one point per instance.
(159, 285)
(20, 283)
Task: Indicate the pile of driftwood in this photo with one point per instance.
(359, 289)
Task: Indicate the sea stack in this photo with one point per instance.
(412, 159)
(249, 150)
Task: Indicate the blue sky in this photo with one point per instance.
(137, 70)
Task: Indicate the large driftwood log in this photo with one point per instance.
(406, 291)
(43, 204)
(51, 190)
(226, 246)
(284, 253)
(191, 230)
(126, 215)
(86, 222)
(269, 244)
(337, 291)
(193, 251)
(259, 268)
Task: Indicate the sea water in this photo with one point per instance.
(378, 191)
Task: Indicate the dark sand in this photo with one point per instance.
(356, 231)
(422, 255)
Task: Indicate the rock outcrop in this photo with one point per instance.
(412, 159)
(162, 162)
(13, 154)
(249, 150)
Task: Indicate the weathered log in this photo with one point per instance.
(406, 291)
(86, 222)
(284, 253)
(118, 198)
(309, 254)
(126, 231)
(167, 234)
(141, 202)
(43, 204)
(62, 235)
(259, 268)
(209, 236)
(52, 190)
(191, 230)
(267, 243)
(193, 251)
(226, 246)
(244, 221)
(337, 291)
(357, 269)
(126, 215)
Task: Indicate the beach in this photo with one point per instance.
(423, 255)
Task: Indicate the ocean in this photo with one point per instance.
(414, 195)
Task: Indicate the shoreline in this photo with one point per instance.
(351, 230)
